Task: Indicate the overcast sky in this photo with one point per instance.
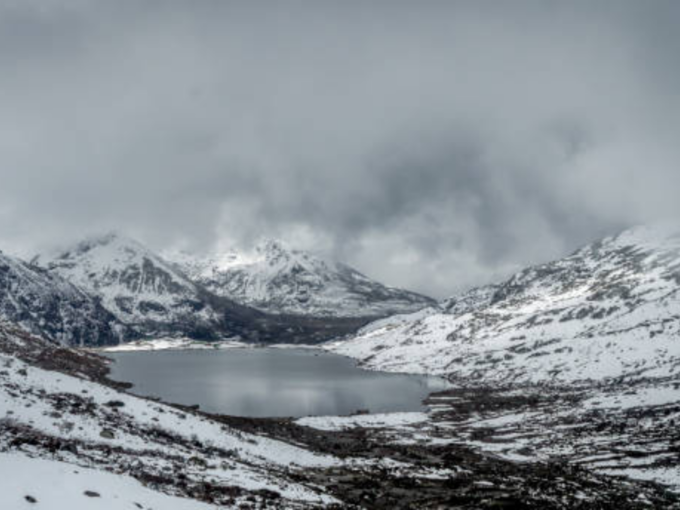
(433, 145)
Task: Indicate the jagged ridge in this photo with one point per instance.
(281, 280)
(154, 298)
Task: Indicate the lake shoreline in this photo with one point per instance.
(270, 381)
(466, 454)
(181, 344)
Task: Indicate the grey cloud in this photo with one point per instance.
(435, 145)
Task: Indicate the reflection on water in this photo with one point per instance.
(270, 382)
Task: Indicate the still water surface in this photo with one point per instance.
(269, 382)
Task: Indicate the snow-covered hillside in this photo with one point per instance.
(611, 309)
(72, 439)
(47, 305)
(281, 280)
(137, 286)
(112, 445)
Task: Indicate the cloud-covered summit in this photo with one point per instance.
(434, 145)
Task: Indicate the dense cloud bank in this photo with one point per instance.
(434, 145)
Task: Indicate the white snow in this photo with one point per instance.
(279, 279)
(609, 310)
(172, 344)
(666, 475)
(62, 486)
(133, 283)
(384, 420)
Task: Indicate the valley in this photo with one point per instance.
(329, 255)
(60, 405)
(562, 389)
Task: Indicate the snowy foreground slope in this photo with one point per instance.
(278, 279)
(45, 304)
(77, 431)
(72, 439)
(610, 310)
(55, 485)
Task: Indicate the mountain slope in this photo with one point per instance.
(137, 286)
(64, 419)
(280, 280)
(72, 438)
(154, 298)
(611, 309)
(44, 304)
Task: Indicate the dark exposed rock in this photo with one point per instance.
(49, 306)
(107, 434)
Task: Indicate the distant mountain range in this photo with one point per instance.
(598, 310)
(610, 310)
(277, 279)
(127, 291)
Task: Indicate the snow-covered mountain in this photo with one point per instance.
(280, 280)
(612, 309)
(155, 298)
(137, 286)
(45, 304)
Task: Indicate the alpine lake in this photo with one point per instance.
(270, 382)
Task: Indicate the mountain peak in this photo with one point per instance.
(275, 251)
(279, 279)
(112, 239)
(270, 245)
(139, 287)
(663, 233)
(107, 245)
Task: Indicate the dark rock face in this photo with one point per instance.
(140, 289)
(48, 306)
